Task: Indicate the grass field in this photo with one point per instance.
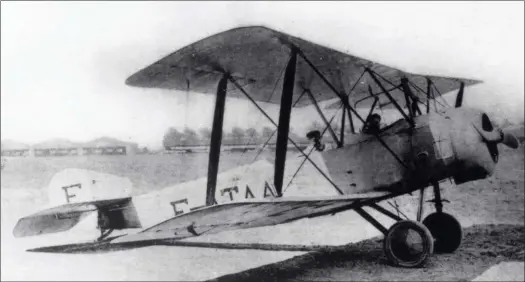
(498, 200)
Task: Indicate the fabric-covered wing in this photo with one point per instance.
(250, 214)
(256, 57)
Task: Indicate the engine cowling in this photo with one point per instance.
(475, 140)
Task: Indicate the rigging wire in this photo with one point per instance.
(311, 149)
(273, 133)
(353, 87)
(440, 95)
(415, 86)
(422, 91)
(341, 105)
(418, 95)
(289, 139)
(396, 207)
(260, 115)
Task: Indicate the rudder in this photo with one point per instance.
(79, 185)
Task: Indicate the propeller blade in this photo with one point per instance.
(510, 140)
(491, 140)
(494, 136)
(493, 150)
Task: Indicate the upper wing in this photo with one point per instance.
(256, 57)
(249, 214)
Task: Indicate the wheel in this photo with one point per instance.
(446, 230)
(408, 244)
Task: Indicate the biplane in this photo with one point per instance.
(422, 148)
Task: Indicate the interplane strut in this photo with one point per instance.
(284, 122)
(216, 138)
(289, 139)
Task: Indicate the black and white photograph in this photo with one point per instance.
(262, 141)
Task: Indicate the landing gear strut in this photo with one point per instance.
(410, 243)
(103, 224)
(104, 233)
(445, 229)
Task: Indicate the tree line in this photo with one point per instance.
(240, 136)
(236, 136)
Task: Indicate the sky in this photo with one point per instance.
(63, 64)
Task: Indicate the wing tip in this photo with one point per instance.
(138, 79)
(18, 231)
(132, 81)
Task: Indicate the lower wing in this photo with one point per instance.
(224, 217)
(248, 214)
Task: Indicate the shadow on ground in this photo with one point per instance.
(482, 247)
(106, 246)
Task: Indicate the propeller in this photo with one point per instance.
(493, 136)
(510, 140)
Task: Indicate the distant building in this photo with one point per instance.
(64, 147)
(56, 147)
(109, 146)
(12, 148)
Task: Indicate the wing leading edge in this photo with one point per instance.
(256, 56)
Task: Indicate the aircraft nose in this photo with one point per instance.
(492, 136)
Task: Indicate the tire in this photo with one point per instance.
(399, 251)
(446, 231)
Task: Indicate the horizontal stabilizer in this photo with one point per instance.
(52, 220)
(65, 217)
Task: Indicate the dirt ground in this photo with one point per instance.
(491, 212)
(483, 246)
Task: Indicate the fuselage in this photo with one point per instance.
(439, 146)
(402, 160)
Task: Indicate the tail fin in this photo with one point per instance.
(79, 185)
